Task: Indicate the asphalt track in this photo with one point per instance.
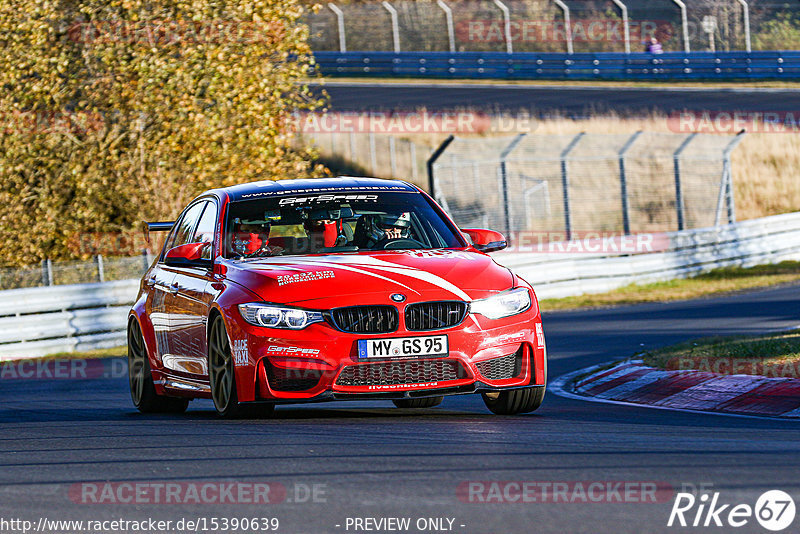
(378, 461)
(566, 100)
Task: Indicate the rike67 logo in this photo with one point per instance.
(774, 510)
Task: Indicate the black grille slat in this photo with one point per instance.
(401, 373)
(501, 368)
(434, 315)
(366, 319)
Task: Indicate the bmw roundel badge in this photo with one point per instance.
(398, 297)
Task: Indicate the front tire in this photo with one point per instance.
(515, 401)
(426, 402)
(222, 376)
(140, 378)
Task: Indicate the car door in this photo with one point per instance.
(189, 299)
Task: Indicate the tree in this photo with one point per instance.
(115, 111)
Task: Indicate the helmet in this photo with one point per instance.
(374, 227)
(249, 236)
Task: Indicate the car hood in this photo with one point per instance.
(349, 279)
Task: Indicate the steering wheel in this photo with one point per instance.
(397, 244)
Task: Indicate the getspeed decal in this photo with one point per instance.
(299, 201)
(277, 349)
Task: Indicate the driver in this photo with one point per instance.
(251, 239)
(372, 229)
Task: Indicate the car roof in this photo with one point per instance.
(268, 188)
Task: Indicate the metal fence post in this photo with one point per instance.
(685, 24)
(393, 156)
(147, 258)
(340, 23)
(504, 183)
(567, 25)
(727, 177)
(373, 157)
(395, 26)
(448, 15)
(353, 147)
(565, 184)
(412, 152)
(45, 278)
(746, 10)
(623, 183)
(678, 191)
(431, 160)
(101, 270)
(507, 25)
(625, 24)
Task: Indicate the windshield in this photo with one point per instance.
(331, 223)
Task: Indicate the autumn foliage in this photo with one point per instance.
(114, 111)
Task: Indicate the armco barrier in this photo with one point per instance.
(43, 320)
(39, 321)
(748, 243)
(534, 66)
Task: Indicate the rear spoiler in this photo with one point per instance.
(148, 227)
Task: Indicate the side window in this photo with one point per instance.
(205, 229)
(186, 226)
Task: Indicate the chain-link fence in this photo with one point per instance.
(540, 25)
(51, 273)
(571, 184)
(373, 154)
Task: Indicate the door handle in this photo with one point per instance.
(174, 288)
(150, 282)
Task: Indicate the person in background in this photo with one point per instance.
(653, 46)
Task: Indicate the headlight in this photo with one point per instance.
(503, 304)
(271, 316)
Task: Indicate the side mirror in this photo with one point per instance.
(189, 255)
(486, 240)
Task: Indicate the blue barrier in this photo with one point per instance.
(592, 66)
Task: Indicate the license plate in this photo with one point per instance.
(403, 347)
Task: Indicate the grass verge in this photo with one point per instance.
(718, 281)
(115, 352)
(773, 355)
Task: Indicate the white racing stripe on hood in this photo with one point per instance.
(411, 272)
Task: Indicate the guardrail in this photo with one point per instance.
(44, 320)
(690, 252)
(547, 66)
(39, 321)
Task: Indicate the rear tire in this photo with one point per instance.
(425, 402)
(222, 377)
(140, 378)
(515, 401)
